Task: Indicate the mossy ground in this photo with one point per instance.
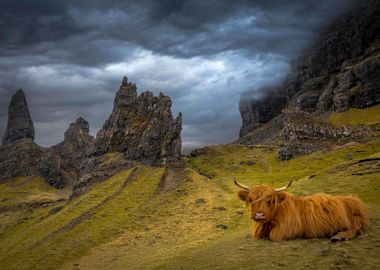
(355, 117)
(126, 222)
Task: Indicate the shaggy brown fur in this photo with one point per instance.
(281, 215)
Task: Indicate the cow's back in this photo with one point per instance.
(323, 215)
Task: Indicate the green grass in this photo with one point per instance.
(368, 116)
(84, 222)
(23, 190)
(224, 162)
(177, 233)
(110, 157)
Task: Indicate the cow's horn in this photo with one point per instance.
(240, 185)
(285, 187)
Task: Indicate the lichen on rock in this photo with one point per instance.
(142, 127)
(77, 143)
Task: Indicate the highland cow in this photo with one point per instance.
(279, 215)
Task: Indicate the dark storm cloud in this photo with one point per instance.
(69, 56)
(179, 28)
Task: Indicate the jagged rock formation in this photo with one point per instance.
(24, 158)
(20, 124)
(20, 156)
(341, 70)
(77, 144)
(142, 127)
(303, 133)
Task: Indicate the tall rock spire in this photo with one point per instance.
(20, 124)
(142, 127)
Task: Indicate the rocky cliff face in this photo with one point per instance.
(21, 156)
(141, 127)
(303, 133)
(341, 70)
(24, 158)
(77, 144)
(20, 124)
(257, 112)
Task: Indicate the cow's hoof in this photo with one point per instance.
(335, 238)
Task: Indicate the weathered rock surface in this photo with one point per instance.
(24, 158)
(303, 133)
(341, 70)
(298, 133)
(98, 168)
(77, 143)
(20, 156)
(20, 124)
(257, 112)
(264, 134)
(141, 127)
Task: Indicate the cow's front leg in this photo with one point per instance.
(276, 233)
(344, 235)
(261, 230)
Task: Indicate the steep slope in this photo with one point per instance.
(130, 221)
(341, 70)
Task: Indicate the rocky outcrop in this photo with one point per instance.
(303, 133)
(257, 112)
(21, 156)
(24, 158)
(77, 143)
(141, 127)
(267, 133)
(20, 124)
(341, 70)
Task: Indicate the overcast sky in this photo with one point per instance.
(70, 57)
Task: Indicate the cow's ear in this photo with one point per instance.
(243, 194)
(281, 196)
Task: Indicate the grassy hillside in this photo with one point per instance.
(355, 117)
(189, 218)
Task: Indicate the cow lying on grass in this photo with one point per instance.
(279, 215)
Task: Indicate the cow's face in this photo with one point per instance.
(262, 201)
